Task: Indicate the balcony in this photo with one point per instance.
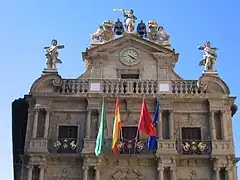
(38, 145)
(66, 145)
(192, 147)
(139, 146)
(126, 86)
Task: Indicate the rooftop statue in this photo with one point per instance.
(104, 32)
(209, 57)
(130, 19)
(52, 54)
(156, 33)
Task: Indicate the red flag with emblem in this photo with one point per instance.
(145, 123)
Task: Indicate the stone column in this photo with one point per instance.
(229, 173)
(85, 172)
(42, 173)
(30, 170)
(212, 125)
(35, 123)
(160, 134)
(88, 128)
(46, 126)
(160, 172)
(224, 125)
(173, 173)
(216, 173)
(171, 124)
(97, 172)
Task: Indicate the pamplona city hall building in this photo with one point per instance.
(129, 116)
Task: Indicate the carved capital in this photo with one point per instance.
(173, 169)
(30, 167)
(228, 169)
(222, 111)
(216, 169)
(160, 167)
(85, 167)
(97, 167)
(41, 167)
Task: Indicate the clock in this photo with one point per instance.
(129, 56)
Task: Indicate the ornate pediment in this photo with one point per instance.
(128, 174)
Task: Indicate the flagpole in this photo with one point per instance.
(143, 97)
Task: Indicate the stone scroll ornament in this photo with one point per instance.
(51, 54)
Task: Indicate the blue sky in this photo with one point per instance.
(27, 26)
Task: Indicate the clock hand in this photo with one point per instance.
(132, 57)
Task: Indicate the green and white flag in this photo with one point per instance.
(100, 137)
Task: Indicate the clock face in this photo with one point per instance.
(129, 56)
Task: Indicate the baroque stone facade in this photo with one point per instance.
(195, 139)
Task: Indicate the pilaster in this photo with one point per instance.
(216, 173)
(224, 125)
(42, 172)
(46, 125)
(171, 124)
(212, 124)
(160, 134)
(35, 121)
(88, 127)
(30, 170)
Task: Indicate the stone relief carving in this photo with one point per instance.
(127, 174)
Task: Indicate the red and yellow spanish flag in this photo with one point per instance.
(116, 128)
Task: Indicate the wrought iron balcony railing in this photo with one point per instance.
(127, 86)
(194, 147)
(138, 146)
(66, 145)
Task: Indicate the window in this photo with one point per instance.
(129, 76)
(68, 132)
(191, 133)
(129, 133)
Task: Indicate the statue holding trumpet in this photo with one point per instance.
(130, 19)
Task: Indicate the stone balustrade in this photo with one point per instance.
(38, 145)
(166, 146)
(221, 147)
(125, 86)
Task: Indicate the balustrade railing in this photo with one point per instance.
(138, 146)
(38, 145)
(127, 86)
(194, 147)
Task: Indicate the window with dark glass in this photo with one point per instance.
(68, 132)
(193, 133)
(129, 133)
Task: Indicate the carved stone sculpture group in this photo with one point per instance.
(155, 33)
(109, 29)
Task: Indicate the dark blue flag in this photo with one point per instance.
(152, 140)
